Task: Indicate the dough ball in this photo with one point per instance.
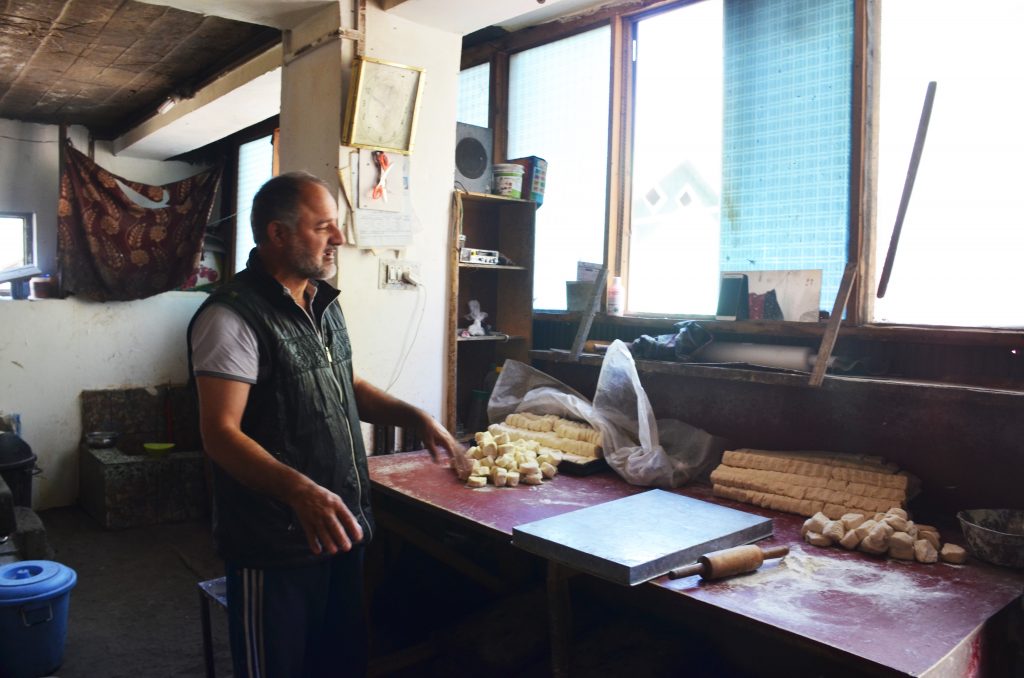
(924, 552)
(853, 520)
(834, 530)
(901, 546)
(817, 539)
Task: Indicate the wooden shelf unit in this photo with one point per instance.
(505, 293)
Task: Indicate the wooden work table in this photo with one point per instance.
(882, 616)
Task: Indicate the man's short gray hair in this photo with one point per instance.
(279, 200)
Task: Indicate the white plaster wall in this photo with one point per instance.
(51, 350)
(382, 321)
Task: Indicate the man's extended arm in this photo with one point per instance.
(327, 522)
(377, 407)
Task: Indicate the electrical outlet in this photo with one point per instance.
(398, 274)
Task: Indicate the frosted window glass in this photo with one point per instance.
(255, 167)
(677, 162)
(958, 261)
(558, 110)
(474, 93)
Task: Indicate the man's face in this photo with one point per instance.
(311, 249)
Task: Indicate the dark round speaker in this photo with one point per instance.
(471, 158)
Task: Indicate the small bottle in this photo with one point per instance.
(616, 297)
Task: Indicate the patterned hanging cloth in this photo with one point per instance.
(111, 248)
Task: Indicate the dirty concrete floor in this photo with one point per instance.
(134, 613)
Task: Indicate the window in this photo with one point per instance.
(474, 95)
(255, 167)
(558, 110)
(959, 255)
(741, 148)
(17, 247)
(677, 162)
(813, 109)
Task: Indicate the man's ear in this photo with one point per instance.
(277, 232)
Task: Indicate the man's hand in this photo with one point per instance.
(437, 438)
(327, 522)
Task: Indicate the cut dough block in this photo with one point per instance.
(951, 553)
(924, 552)
(476, 481)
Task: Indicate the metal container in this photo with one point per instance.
(100, 439)
(995, 535)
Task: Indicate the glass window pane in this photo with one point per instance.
(558, 110)
(958, 260)
(677, 162)
(474, 95)
(15, 241)
(255, 167)
(741, 148)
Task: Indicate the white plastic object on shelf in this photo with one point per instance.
(616, 297)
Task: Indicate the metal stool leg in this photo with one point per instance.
(204, 616)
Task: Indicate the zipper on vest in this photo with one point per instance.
(348, 424)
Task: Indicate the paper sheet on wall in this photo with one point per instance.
(798, 292)
(378, 222)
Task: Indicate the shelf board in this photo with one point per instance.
(498, 267)
(734, 372)
(492, 337)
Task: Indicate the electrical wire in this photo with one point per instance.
(421, 299)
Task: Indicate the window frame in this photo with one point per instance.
(862, 208)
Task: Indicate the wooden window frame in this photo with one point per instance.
(622, 21)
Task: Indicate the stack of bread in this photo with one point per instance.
(526, 448)
(808, 483)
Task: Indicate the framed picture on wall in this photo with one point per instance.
(383, 103)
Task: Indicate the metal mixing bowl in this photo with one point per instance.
(995, 535)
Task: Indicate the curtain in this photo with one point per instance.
(111, 247)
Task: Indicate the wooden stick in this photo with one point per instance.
(908, 187)
(832, 331)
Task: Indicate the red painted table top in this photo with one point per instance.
(905, 616)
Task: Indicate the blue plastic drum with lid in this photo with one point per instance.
(34, 597)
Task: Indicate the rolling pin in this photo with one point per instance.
(728, 562)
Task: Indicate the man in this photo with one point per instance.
(279, 415)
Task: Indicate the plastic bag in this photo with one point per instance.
(623, 414)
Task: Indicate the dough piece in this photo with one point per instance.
(877, 541)
(528, 467)
(901, 546)
(512, 478)
(898, 523)
(852, 521)
(951, 553)
(816, 523)
(834, 530)
(912, 529)
(864, 529)
(499, 476)
(816, 539)
(924, 552)
(547, 470)
(850, 540)
(931, 537)
(476, 481)
(927, 528)
(897, 511)
(532, 479)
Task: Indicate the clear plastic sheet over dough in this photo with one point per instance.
(658, 453)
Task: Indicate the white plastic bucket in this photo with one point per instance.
(508, 180)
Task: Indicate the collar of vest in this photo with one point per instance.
(256, 275)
